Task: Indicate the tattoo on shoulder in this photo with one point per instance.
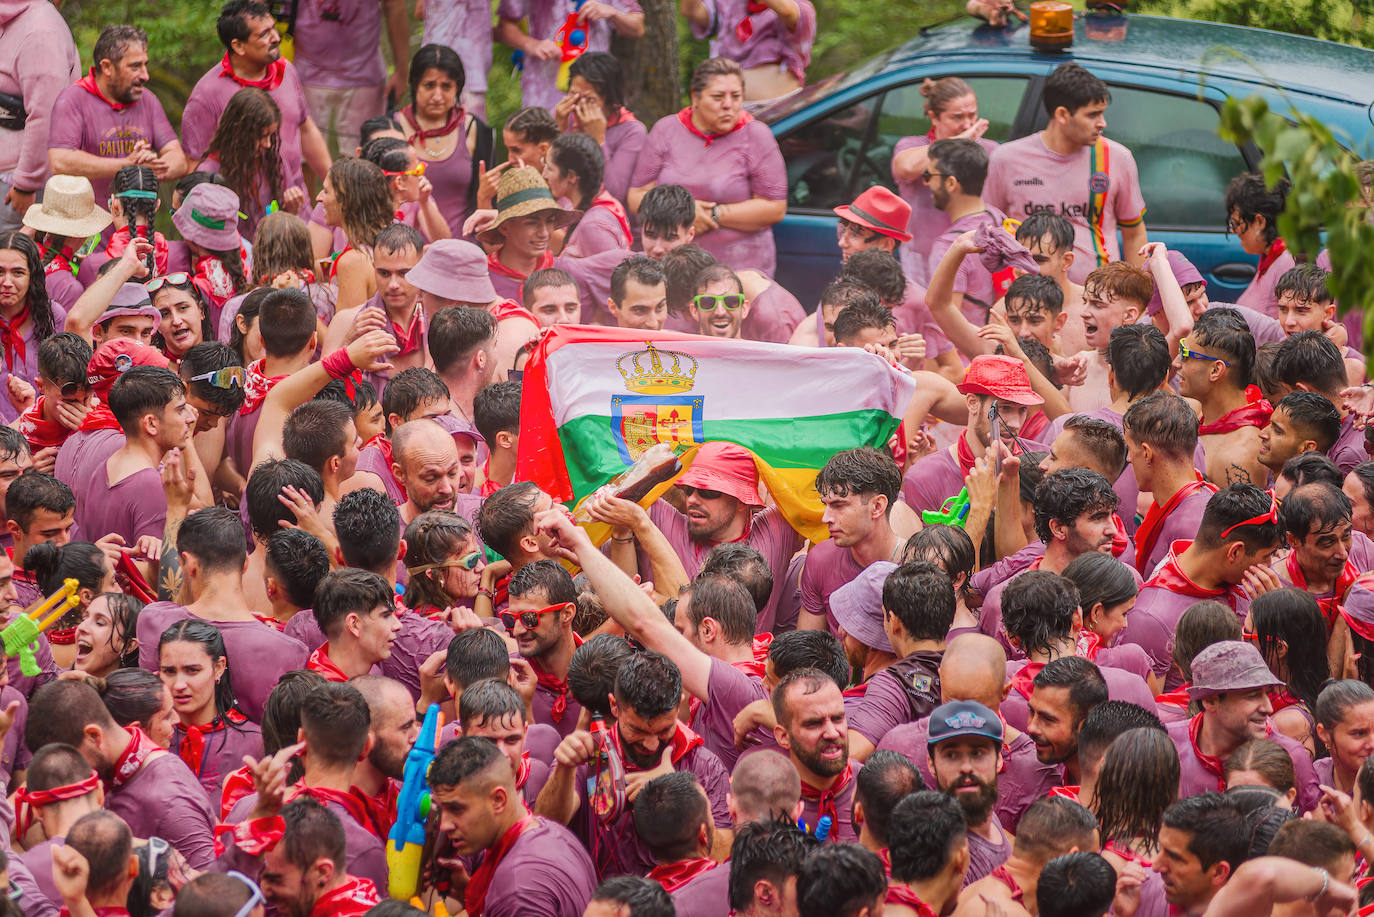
(1235, 474)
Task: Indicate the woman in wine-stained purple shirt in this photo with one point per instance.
(952, 109)
(27, 316)
(730, 163)
(595, 105)
(447, 139)
(574, 169)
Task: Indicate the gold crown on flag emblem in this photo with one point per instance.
(657, 372)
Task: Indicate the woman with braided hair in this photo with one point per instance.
(246, 150)
(412, 195)
(133, 208)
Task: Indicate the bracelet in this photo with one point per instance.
(1326, 883)
(626, 540)
(1365, 840)
(482, 590)
(338, 364)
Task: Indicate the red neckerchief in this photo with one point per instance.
(1210, 763)
(99, 912)
(825, 799)
(99, 417)
(964, 453)
(14, 341)
(496, 267)
(140, 749)
(683, 741)
(618, 211)
(684, 118)
(1088, 646)
(1178, 698)
(673, 876)
(360, 807)
(509, 308)
(489, 486)
(1331, 605)
(412, 338)
(88, 83)
(755, 666)
(859, 690)
(193, 738)
(270, 622)
(475, 898)
(522, 776)
(237, 785)
(213, 280)
(1119, 542)
(275, 71)
(60, 263)
(1171, 578)
(1268, 258)
(1001, 875)
(1036, 423)
(622, 116)
(455, 121)
(1066, 792)
(25, 800)
(354, 898)
(554, 685)
(1024, 680)
(901, 894)
(119, 240)
(319, 661)
(384, 447)
(1127, 854)
(256, 386)
(131, 581)
(1254, 413)
(1280, 698)
(38, 430)
(1147, 536)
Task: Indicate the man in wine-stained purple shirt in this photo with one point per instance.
(532, 864)
(1310, 361)
(151, 789)
(534, 27)
(965, 747)
(765, 853)
(1231, 682)
(771, 40)
(252, 57)
(108, 120)
(543, 602)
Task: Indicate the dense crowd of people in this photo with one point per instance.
(1092, 631)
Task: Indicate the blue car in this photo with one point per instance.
(1168, 79)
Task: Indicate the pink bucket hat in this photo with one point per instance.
(1230, 665)
(454, 270)
(209, 217)
(726, 467)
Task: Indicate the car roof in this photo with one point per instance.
(1184, 47)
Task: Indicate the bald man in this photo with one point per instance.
(975, 668)
(394, 729)
(425, 459)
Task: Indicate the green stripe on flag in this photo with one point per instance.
(593, 456)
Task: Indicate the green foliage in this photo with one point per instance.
(1327, 206)
(1349, 22)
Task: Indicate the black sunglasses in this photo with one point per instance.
(688, 490)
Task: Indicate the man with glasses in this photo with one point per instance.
(1215, 364)
(543, 602)
(955, 176)
(64, 398)
(1228, 561)
(719, 306)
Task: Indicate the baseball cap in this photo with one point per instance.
(963, 718)
(1230, 665)
(1004, 378)
(114, 358)
(726, 467)
(858, 606)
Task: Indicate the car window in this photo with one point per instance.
(904, 109)
(821, 156)
(1184, 166)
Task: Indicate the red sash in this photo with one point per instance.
(496, 267)
(1330, 606)
(88, 83)
(1066, 792)
(1253, 414)
(825, 799)
(618, 211)
(900, 894)
(1148, 534)
(256, 386)
(354, 898)
(319, 661)
(14, 341)
(193, 739)
(140, 750)
(40, 432)
(475, 898)
(684, 118)
(673, 876)
(271, 80)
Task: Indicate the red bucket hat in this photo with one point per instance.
(726, 467)
(1004, 378)
(881, 211)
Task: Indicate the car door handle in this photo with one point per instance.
(1234, 272)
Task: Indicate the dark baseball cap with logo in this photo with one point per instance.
(963, 718)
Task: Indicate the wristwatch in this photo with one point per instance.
(715, 214)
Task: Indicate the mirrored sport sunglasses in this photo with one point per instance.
(530, 619)
(707, 302)
(177, 279)
(227, 378)
(255, 894)
(1188, 353)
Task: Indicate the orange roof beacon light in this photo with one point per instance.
(1051, 25)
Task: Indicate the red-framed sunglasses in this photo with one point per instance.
(1271, 516)
(529, 618)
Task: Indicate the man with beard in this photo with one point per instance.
(1214, 368)
(543, 602)
(395, 727)
(1231, 684)
(107, 119)
(1202, 841)
(1062, 694)
(651, 742)
(426, 460)
(811, 730)
(1317, 524)
(719, 306)
(965, 749)
(395, 252)
(304, 871)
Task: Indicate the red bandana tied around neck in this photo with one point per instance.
(354, 898)
(901, 894)
(411, 338)
(194, 738)
(1178, 698)
(964, 452)
(1089, 644)
(1024, 680)
(683, 741)
(744, 29)
(1171, 578)
(319, 661)
(1001, 875)
(496, 267)
(1210, 763)
(38, 430)
(271, 80)
(360, 807)
(1331, 605)
(825, 799)
(256, 387)
(384, 447)
(420, 135)
(1280, 698)
(762, 643)
(100, 417)
(1268, 258)
(618, 211)
(1254, 413)
(622, 116)
(1073, 793)
(119, 240)
(475, 898)
(25, 800)
(140, 749)
(88, 83)
(554, 685)
(14, 343)
(673, 876)
(1147, 536)
(684, 118)
(213, 280)
(237, 785)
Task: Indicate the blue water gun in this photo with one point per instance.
(951, 512)
(822, 827)
(406, 841)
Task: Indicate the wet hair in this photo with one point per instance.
(249, 310)
(53, 563)
(716, 273)
(577, 154)
(1363, 472)
(921, 596)
(63, 358)
(681, 267)
(1165, 421)
(1268, 759)
(476, 655)
(1313, 416)
(132, 696)
(940, 94)
(213, 536)
(56, 765)
(265, 484)
(806, 681)
(1137, 782)
(878, 270)
(1107, 720)
(743, 563)
(211, 894)
(232, 24)
(39, 305)
(349, 591)
(668, 812)
(1029, 476)
(1312, 358)
(432, 537)
(281, 243)
(1311, 468)
(298, 561)
(1222, 331)
(863, 472)
(1338, 698)
(1038, 608)
(392, 155)
(376, 125)
(143, 390)
(32, 491)
(1305, 283)
(839, 880)
(665, 208)
(1320, 845)
(60, 711)
(857, 317)
(635, 896)
(1081, 677)
(817, 650)
(286, 321)
(1036, 226)
(964, 159)
(335, 719)
(12, 444)
(489, 700)
(594, 669)
(711, 68)
(124, 611)
(1314, 508)
(648, 683)
(772, 850)
(436, 57)
(1102, 440)
(314, 433)
(364, 396)
(925, 830)
(1069, 493)
(253, 170)
(1231, 506)
(207, 357)
(140, 211)
(725, 601)
(533, 125)
(114, 42)
(1037, 292)
(106, 842)
(1080, 884)
(547, 575)
(1250, 196)
(544, 278)
(644, 270)
(368, 526)
(1291, 616)
(364, 195)
(1051, 826)
(1100, 578)
(281, 715)
(496, 409)
(607, 78)
(1218, 830)
(1202, 624)
(1071, 87)
(506, 516)
(312, 832)
(409, 390)
(886, 779)
(456, 332)
(1139, 357)
(209, 638)
(947, 547)
(846, 293)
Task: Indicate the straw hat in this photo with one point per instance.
(68, 209)
(520, 193)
